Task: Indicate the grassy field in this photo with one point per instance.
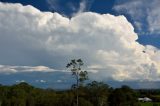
(149, 104)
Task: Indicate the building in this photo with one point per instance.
(145, 99)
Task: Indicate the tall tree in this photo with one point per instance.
(80, 75)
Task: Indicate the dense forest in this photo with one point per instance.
(91, 94)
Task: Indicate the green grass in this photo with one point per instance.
(149, 104)
(146, 104)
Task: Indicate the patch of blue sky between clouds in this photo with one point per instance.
(144, 13)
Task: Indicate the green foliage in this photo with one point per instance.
(84, 102)
(149, 104)
(154, 94)
(123, 96)
(75, 67)
(98, 93)
(156, 98)
(25, 95)
(92, 94)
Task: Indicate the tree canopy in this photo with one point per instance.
(93, 94)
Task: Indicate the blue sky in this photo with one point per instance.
(33, 39)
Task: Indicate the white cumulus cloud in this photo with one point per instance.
(14, 69)
(144, 13)
(105, 42)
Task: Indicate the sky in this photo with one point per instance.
(118, 40)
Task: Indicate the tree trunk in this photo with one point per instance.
(77, 88)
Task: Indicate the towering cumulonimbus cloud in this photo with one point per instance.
(107, 43)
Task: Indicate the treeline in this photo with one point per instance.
(92, 94)
(154, 94)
